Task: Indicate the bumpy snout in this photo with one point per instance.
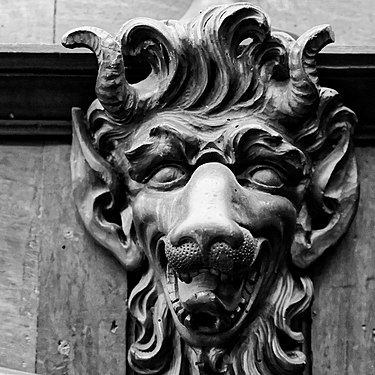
(208, 234)
(189, 257)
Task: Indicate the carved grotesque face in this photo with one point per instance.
(215, 213)
(216, 177)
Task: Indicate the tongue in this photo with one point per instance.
(205, 294)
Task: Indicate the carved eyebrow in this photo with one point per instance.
(259, 145)
(164, 144)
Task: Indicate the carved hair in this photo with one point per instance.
(226, 58)
(260, 353)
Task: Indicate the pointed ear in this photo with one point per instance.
(94, 190)
(333, 196)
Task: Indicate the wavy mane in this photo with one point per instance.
(259, 351)
(226, 59)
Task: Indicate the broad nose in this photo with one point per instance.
(207, 205)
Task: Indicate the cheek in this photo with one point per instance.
(153, 214)
(272, 215)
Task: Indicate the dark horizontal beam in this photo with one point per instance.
(39, 84)
(351, 71)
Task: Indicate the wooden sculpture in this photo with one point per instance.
(216, 179)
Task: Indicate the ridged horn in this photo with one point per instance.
(303, 84)
(113, 91)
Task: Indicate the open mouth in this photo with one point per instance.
(210, 301)
(205, 300)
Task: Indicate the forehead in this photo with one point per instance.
(191, 139)
(199, 131)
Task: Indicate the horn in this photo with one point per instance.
(118, 98)
(303, 83)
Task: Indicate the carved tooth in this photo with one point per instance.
(177, 305)
(245, 293)
(232, 316)
(254, 276)
(249, 288)
(187, 321)
(172, 295)
(170, 288)
(179, 310)
(238, 309)
(243, 301)
(181, 314)
(170, 273)
(169, 269)
(220, 324)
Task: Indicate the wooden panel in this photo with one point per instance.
(21, 169)
(110, 15)
(82, 310)
(343, 319)
(25, 21)
(7, 371)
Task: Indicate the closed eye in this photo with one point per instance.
(168, 177)
(264, 176)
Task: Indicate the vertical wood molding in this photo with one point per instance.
(21, 173)
(83, 292)
(343, 319)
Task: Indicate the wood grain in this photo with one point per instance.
(20, 232)
(7, 371)
(351, 21)
(25, 21)
(343, 319)
(82, 310)
(110, 15)
(34, 21)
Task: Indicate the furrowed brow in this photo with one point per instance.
(164, 144)
(255, 145)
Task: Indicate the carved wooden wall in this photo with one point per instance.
(62, 297)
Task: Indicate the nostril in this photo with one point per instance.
(184, 257)
(233, 259)
(221, 257)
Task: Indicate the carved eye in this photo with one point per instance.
(264, 176)
(267, 176)
(168, 177)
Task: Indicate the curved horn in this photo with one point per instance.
(303, 83)
(113, 91)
